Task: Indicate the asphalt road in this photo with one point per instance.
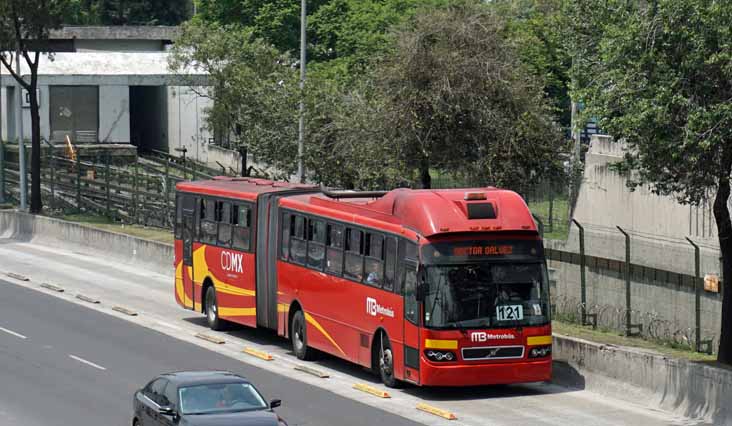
(98, 334)
(65, 364)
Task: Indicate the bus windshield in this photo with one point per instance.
(486, 294)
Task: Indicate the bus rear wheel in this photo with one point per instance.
(212, 311)
(300, 339)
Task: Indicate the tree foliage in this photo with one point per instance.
(128, 12)
(460, 100)
(659, 75)
(254, 88)
(23, 22)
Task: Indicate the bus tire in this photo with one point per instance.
(385, 361)
(298, 333)
(212, 311)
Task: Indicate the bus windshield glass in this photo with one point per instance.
(485, 283)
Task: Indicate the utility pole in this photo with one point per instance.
(21, 144)
(301, 127)
(2, 146)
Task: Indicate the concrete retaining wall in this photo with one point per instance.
(687, 388)
(150, 255)
(690, 389)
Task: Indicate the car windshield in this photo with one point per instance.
(485, 294)
(220, 398)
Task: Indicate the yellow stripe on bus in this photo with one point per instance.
(238, 312)
(440, 344)
(283, 307)
(309, 318)
(182, 296)
(539, 340)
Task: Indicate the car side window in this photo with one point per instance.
(155, 391)
(170, 394)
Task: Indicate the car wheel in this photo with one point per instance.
(386, 362)
(212, 311)
(300, 338)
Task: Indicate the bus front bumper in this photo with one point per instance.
(485, 374)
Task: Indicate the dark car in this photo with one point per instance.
(203, 398)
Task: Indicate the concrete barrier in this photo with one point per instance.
(151, 255)
(692, 389)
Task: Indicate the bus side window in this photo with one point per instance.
(373, 263)
(209, 227)
(285, 232)
(241, 232)
(354, 261)
(334, 255)
(224, 219)
(390, 258)
(411, 306)
(316, 244)
(298, 245)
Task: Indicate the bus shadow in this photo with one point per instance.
(565, 377)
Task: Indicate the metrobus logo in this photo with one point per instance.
(231, 261)
(482, 336)
(373, 308)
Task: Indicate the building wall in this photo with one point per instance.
(114, 114)
(186, 122)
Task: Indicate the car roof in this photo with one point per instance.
(192, 378)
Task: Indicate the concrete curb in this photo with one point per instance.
(687, 388)
(153, 255)
(691, 389)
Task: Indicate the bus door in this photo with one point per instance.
(412, 311)
(188, 236)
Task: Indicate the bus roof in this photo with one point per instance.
(428, 212)
(239, 187)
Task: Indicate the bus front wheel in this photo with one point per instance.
(300, 338)
(386, 362)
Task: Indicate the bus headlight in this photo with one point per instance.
(540, 352)
(440, 356)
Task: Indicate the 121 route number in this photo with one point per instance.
(509, 312)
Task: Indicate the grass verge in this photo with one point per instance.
(614, 338)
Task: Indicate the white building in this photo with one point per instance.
(112, 85)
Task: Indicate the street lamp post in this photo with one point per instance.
(21, 144)
(301, 127)
(2, 147)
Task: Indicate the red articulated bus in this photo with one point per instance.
(430, 287)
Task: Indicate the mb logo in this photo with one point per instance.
(372, 306)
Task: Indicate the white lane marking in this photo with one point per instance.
(89, 363)
(13, 333)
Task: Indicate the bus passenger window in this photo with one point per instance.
(285, 232)
(354, 260)
(179, 216)
(316, 244)
(241, 232)
(334, 258)
(298, 245)
(224, 219)
(209, 226)
(373, 265)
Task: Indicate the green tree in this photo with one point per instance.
(660, 78)
(23, 22)
(128, 12)
(254, 88)
(459, 100)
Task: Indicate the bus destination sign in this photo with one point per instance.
(461, 251)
